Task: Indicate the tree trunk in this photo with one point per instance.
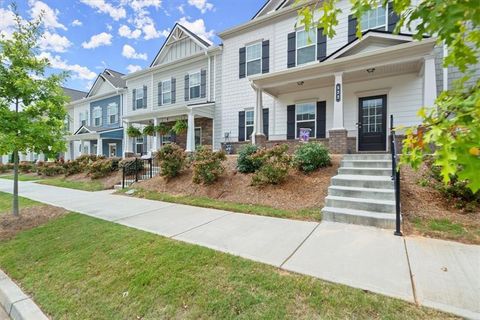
(15, 184)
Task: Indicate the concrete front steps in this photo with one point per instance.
(362, 192)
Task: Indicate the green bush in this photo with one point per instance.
(4, 168)
(172, 160)
(311, 156)
(276, 163)
(72, 167)
(102, 167)
(50, 169)
(207, 165)
(26, 167)
(129, 168)
(245, 162)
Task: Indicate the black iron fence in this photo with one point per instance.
(395, 177)
(139, 169)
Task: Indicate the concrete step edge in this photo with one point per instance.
(360, 189)
(362, 200)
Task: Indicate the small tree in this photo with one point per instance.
(32, 105)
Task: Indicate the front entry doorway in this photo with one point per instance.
(372, 123)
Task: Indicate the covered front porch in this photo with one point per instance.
(198, 117)
(100, 142)
(346, 99)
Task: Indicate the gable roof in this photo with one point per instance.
(113, 77)
(74, 94)
(201, 42)
(271, 5)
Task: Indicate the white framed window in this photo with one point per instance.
(374, 19)
(112, 150)
(166, 92)
(97, 116)
(305, 117)
(83, 118)
(112, 110)
(139, 145)
(194, 85)
(198, 136)
(249, 122)
(306, 46)
(254, 58)
(166, 139)
(139, 98)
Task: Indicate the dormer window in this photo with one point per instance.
(194, 85)
(112, 113)
(97, 116)
(374, 19)
(306, 46)
(254, 59)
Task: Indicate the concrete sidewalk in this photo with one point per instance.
(435, 273)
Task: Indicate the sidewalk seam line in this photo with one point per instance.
(412, 281)
(139, 214)
(200, 225)
(298, 247)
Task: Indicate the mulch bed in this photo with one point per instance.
(29, 218)
(108, 182)
(300, 191)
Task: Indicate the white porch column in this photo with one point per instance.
(155, 136)
(82, 147)
(191, 132)
(99, 146)
(127, 145)
(338, 102)
(429, 82)
(258, 136)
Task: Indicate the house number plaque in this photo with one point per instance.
(338, 92)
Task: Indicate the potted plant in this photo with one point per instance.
(133, 132)
(180, 127)
(149, 130)
(163, 128)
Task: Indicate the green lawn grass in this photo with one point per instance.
(22, 177)
(79, 185)
(446, 229)
(6, 202)
(304, 214)
(78, 267)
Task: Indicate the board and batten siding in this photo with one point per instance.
(178, 50)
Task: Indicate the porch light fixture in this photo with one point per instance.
(371, 70)
(300, 83)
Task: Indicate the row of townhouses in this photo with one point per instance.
(266, 81)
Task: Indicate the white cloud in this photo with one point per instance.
(76, 23)
(202, 5)
(50, 16)
(101, 39)
(116, 13)
(109, 27)
(130, 53)
(198, 27)
(181, 9)
(78, 71)
(7, 22)
(54, 42)
(139, 5)
(125, 31)
(133, 68)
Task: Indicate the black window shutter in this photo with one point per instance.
(352, 28)
(321, 119)
(392, 17)
(266, 56)
(203, 83)
(144, 147)
(160, 93)
(144, 96)
(241, 126)
(292, 38)
(174, 90)
(265, 122)
(321, 45)
(187, 87)
(291, 122)
(134, 99)
(242, 55)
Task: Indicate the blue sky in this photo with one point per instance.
(87, 36)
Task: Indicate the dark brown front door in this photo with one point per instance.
(372, 120)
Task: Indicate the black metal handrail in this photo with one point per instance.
(139, 169)
(395, 177)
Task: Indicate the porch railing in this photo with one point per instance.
(395, 177)
(138, 170)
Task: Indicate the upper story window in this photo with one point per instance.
(112, 113)
(67, 123)
(249, 122)
(305, 116)
(374, 19)
(194, 85)
(254, 58)
(166, 92)
(306, 46)
(83, 118)
(97, 116)
(139, 98)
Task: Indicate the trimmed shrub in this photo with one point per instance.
(50, 169)
(72, 167)
(207, 165)
(172, 160)
(245, 162)
(4, 168)
(311, 156)
(102, 167)
(26, 167)
(275, 165)
(131, 169)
